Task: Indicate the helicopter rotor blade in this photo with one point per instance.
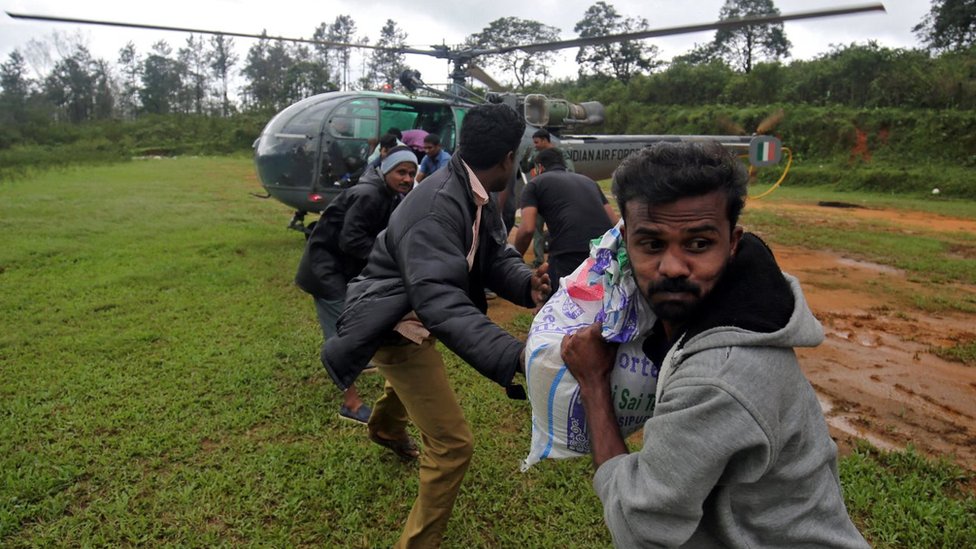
(53, 19)
(770, 122)
(729, 126)
(444, 52)
(685, 29)
(479, 74)
(462, 56)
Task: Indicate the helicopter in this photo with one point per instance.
(313, 149)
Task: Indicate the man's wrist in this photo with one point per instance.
(595, 394)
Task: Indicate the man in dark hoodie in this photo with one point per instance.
(425, 279)
(737, 452)
(336, 250)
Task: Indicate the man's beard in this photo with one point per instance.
(674, 311)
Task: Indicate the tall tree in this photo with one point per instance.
(161, 83)
(513, 31)
(744, 46)
(71, 87)
(949, 25)
(266, 69)
(304, 76)
(323, 53)
(620, 60)
(342, 30)
(386, 65)
(221, 58)
(195, 75)
(42, 54)
(130, 68)
(105, 89)
(15, 87)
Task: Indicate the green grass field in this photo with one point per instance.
(160, 385)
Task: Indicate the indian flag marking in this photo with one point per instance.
(764, 151)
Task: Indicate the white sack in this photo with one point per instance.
(602, 288)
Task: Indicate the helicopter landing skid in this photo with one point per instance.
(297, 223)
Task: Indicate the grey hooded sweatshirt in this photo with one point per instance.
(737, 453)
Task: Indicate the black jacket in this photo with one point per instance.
(337, 249)
(419, 264)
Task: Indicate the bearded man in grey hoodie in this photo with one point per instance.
(737, 452)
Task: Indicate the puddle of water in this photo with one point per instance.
(844, 425)
(867, 341)
(848, 262)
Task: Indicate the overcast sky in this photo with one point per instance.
(436, 22)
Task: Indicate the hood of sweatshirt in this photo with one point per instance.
(754, 304)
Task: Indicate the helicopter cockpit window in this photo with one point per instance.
(355, 128)
(287, 149)
(354, 119)
(351, 125)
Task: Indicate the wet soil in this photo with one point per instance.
(877, 374)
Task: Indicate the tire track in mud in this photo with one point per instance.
(876, 373)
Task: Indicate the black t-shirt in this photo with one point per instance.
(572, 205)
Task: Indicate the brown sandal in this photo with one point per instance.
(404, 448)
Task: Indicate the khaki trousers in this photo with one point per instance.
(417, 389)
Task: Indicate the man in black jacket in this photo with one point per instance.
(336, 250)
(425, 279)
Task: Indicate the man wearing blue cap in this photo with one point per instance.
(336, 250)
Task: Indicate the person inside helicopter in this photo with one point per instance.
(435, 156)
(387, 142)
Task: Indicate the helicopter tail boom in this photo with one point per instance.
(596, 156)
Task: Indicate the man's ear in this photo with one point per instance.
(735, 238)
(508, 161)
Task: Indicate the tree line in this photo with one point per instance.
(741, 66)
(856, 75)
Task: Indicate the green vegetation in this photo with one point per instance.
(861, 76)
(36, 147)
(901, 499)
(813, 194)
(923, 255)
(160, 385)
(923, 201)
(962, 352)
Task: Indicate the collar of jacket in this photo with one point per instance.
(460, 173)
(373, 176)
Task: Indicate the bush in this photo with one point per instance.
(38, 146)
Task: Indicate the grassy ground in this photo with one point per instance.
(159, 385)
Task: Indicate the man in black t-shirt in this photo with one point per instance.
(575, 209)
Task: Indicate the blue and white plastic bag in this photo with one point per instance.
(602, 288)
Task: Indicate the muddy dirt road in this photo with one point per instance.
(876, 373)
